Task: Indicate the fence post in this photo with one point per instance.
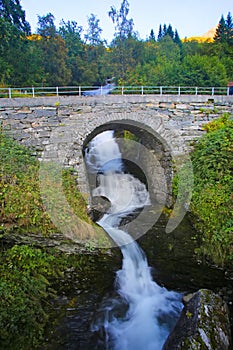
(122, 90)
(142, 90)
(212, 91)
(179, 90)
(101, 90)
(57, 93)
(196, 91)
(161, 90)
(9, 92)
(33, 92)
(228, 91)
(79, 91)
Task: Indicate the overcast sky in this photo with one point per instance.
(189, 17)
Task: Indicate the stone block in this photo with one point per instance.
(167, 105)
(184, 106)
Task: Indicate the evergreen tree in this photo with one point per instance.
(177, 38)
(229, 29)
(229, 22)
(221, 32)
(11, 11)
(152, 35)
(160, 34)
(170, 31)
(164, 30)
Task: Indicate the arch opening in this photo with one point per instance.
(145, 155)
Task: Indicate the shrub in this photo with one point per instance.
(212, 201)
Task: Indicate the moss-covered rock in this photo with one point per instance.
(203, 324)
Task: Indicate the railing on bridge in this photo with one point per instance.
(10, 92)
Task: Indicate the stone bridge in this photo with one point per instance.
(165, 127)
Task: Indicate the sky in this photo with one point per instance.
(189, 17)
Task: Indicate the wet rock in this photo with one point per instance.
(203, 324)
(99, 207)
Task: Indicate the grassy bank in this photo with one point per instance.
(212, 201)
(29, 274)
(22, 207)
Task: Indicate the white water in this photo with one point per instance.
(151, 309)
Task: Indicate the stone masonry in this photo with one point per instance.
(59, 127)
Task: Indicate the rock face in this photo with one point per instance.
(204, 324)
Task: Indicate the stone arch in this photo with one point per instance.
(154, 136)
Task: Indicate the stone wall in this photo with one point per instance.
(59, 127)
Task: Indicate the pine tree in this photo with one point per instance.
(152, 35)
(160, 34)
(164, 30)
(177, 38)
(221, 32)
(170, 31)
(229, 29)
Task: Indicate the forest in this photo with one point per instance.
(70, 56)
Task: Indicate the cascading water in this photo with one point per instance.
(142, 315)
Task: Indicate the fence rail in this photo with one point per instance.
(10, 92)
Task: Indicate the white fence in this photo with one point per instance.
(118, 90)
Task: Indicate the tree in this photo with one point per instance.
(123, 26)
(168, 50)
(203, 71)
(11, 11)
(152, 35)
(160, 33)
(221, 32)
(177, 39)
(121, 45)
(94, 31)
(71, 34)
(229, 29)
(164, 30)
(46, 26)
(54, 61)
(170, 31)
(54, 53)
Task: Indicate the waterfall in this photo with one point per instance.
(142, 315)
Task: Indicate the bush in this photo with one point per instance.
(23, 288)
(212, 201)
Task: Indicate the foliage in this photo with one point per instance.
(46, 26)
(28, 282)
(11, 11)
(68, 56)
(24, 285)
(20, 194)
(224, 32)
(123, 25)
(94, 31)
(212, 201)
(203, 71)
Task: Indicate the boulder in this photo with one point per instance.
(203, 324)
